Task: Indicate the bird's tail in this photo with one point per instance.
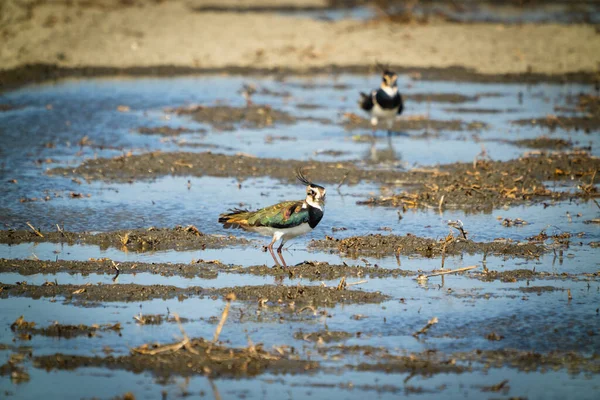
(365, 102)
(236, 218)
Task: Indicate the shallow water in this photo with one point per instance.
(36, 137)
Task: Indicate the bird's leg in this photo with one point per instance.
(373, 126)
(390, 123)
(281, 255)
(270, 247)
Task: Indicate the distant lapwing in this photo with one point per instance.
(384, 103)
(285, 220)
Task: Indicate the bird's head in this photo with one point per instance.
(389, 79)
(315, 194)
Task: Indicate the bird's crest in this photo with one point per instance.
(303, 179)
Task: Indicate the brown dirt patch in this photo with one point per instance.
(544, 142)
(178, 238)
(385, 245)
(453, 98)
(226, 118)
(485, 185)
(168, 131)
(323, 336)
(202, 269)
(532, 361)
(27, 329)
(300, 295)
(200, 357)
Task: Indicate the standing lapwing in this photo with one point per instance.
(384, 103)
(285, 220)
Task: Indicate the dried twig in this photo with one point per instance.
(497, 387)
(424, 277)
(214, 389)
(161, 349)
(424, 329)
(343, 180)
(186, 340)
(34, 230)
(342, 284)
(308, 308)
(449, 239)
(356, 283)
(229, 298)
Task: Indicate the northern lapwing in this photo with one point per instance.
(285, 220)
(384, 103)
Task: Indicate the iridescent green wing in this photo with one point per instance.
(283, 215)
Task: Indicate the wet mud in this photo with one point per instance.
(25, 330)
(385, 245)
(323, 336)
(168, 131)
(533, 361)
(151, 239)
(484, 185)
(196, 357)
(227, 118)
(93, 294)
(453, 98)
(544, 142)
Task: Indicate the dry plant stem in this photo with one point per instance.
(215, 390)
(230, 297)
(170, 347)
(186, 339)
(423, 330)
(343, 180)
(451, 271)
(356, 283)
(308, 308)
(34, 230)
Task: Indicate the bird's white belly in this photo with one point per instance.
(285, 233)
(382, 113)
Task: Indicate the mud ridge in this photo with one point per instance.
(27, 329)
(300, 295)
(318, 271)
(150, 239)
(484, 185)
(226, 118)
(386, 245)
(199, 357)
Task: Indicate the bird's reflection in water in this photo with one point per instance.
(382, 155)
